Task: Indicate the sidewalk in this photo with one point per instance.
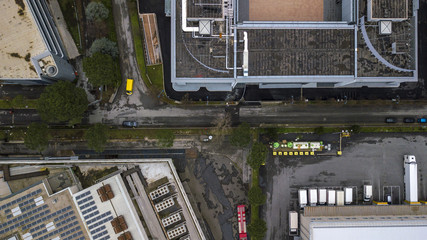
(67, 39)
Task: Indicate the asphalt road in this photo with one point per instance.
(255, 115)
(19, 117)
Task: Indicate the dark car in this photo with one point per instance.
(409, 120)
(391, 120)
(131, 124)
(422, 120)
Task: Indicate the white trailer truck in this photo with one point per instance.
(348, 195)
(331, 197)
(322, 194)
(293, 223)
(410, 179)
(367, 193)
(340, 198)
(312, 196)
(302, 196)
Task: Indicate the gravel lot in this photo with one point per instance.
(377, 159)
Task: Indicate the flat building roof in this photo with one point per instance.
(19, 40)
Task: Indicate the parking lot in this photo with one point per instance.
(367, 159)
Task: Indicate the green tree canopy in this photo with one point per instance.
(257, 155)
(256, 196)
(37, 136)
(319, 130)
(165, 137)
(104, 46)
(355, 128)
(62, 102)
(241, 136)
(257, 229)
(96, 11)
(101, 69)
(97, 137)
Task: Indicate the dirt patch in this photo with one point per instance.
(20, 3)
(286, 10)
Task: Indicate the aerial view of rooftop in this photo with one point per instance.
(130, 203)
(213, 120)
(219, 44)
(31, 48)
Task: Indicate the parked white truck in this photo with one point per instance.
(367, 193)
(312, 196)
(302, 196)
(348, 195)
(410, 179)
(340, 198)
(293, 223)
(331, 197)
(322, 194)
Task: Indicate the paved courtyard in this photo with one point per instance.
(377, 159)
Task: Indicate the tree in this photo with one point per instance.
(222, 124)
(96, 11)
(165, 137)
(257, 229)
(101, 69)
(97, 137)
(37, 136)
(319, 130)
(355, 128)
(256, 197)
(272, 133)
(241, 136)
(104, 46)
(62, 102)
(257, 155)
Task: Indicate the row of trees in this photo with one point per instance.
(101, 66)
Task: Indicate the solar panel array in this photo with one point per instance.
(94, 219)
(18, 200)
(107, 218)
(33, 218)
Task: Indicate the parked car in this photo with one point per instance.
(131, 124)
(422, 120)
(391, 120)
(409, 120)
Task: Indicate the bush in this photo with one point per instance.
(355, 128)
(101, 70)
(257, 229)
(241, 136)
(256, 197)
(37, 136)
(319, 130)
(96, 11)
(104, 46)
(62, 102)
(257, 155)
(97, 137)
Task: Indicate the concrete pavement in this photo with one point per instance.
(128, 64)
(67, 39)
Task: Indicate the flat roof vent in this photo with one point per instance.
(205, 27)
(385, 27)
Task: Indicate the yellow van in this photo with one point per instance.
(129, 86)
